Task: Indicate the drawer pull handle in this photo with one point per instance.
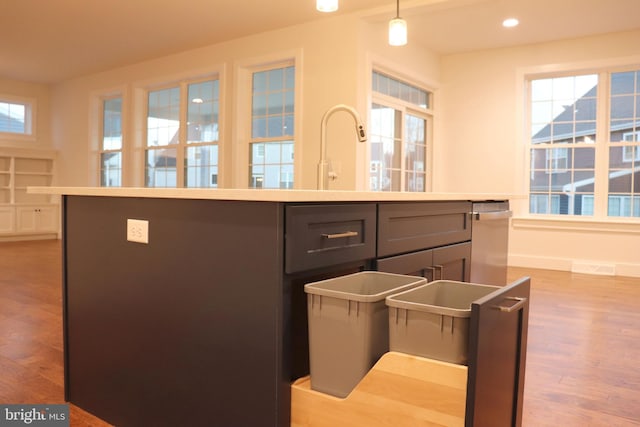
(519, 303)
(440, 270)
(340, 235)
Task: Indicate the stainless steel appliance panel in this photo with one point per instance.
(490, 242)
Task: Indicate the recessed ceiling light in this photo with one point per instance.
(510, 22)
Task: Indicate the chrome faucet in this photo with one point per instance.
(324, 174)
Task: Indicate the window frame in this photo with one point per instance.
(242, 93)
(30, 105)
(602, 143)
(183, 145)
(281, 140)
(407, 109)
(101, 150)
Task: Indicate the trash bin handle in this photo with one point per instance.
(519, 303)
(340, 235)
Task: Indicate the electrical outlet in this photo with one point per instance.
(138, 230)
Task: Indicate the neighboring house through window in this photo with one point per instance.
(624, 146)
(16, 116)
(271, 152)
(399, 135)
(567, 141)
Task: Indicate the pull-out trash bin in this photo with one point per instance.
(432, 320)
(349, 326)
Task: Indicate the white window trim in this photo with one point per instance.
(182, 145)
(135, 151)
(101, 150)
(520, 204)
(243, 72)
(428, 114)
(95, 131)
(30, 135)
(410, 75)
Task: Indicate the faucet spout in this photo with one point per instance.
(323, 172)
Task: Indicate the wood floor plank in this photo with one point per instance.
(583, 350)
(582, 358)
(31, 351)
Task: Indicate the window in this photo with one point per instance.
(183, 135)
(111, 147)
(568, 139)
(16, 117)
(399, 135)
(272, 128)
(624, 147)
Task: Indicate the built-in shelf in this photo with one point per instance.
(23, 214)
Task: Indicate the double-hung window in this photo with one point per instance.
(111, 143)
(399, 134)
(583, 161)
(271, 161)
(183, 135)
(16, 117)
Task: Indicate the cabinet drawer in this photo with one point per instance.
(415, 264)
(406, 227)
(318, 236)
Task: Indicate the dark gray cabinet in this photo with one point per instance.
(186, 330)
(449, 262)
(318, 236)
(432, 240)
(206, 324)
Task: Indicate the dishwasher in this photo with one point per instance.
(490, 242)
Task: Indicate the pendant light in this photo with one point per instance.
(327, 5)
(397, 29)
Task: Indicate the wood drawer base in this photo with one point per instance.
(400, 390)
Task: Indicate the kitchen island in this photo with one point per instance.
(205, 324)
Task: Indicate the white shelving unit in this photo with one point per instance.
(24, 215)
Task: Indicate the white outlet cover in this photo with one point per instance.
(138, 230)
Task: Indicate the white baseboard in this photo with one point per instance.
(587, 267)
(575, 266)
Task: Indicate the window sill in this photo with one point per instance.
(16, 138)
(622, 225)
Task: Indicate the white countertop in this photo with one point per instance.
(266, 195)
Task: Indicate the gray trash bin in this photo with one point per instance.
(433, 320)
(349, 326)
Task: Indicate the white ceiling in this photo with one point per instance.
(49, 41)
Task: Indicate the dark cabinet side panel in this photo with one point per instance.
(497, 357)
(185, 330)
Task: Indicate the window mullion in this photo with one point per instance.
(602, 147)
(403, 149)
(182, 135)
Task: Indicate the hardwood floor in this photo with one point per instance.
(583, 350)
(582, 360)
(31, 362)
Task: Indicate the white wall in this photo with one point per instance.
(477, 143)
(331, 58)
(484, 150)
